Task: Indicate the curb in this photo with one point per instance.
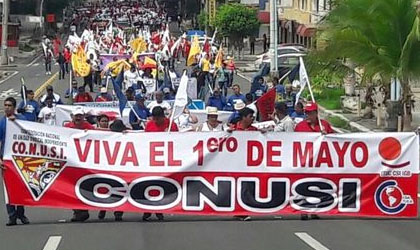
(355, 125)
(41, 88)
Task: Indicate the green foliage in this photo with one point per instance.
(329, 98)
(378, 35)
(236, 21)
(338, 122)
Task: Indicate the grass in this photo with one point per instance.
(329, 98)
(338, 122)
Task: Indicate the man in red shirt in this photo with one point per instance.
(246, 118)
(82, 96)
(311, 123)
(78, 122)
(159, 122)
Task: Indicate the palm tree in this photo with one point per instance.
(381, 36)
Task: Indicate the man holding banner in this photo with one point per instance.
(14, 212)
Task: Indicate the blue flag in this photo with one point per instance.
(117, 83)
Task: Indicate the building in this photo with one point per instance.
(299, 20)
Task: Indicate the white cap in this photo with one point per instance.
(103, 90)
(239, 104)
(78, 111)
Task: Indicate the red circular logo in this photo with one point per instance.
(390, 148)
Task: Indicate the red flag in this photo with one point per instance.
(265, 104)
(206, 47)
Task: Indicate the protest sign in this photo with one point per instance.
(239, 173)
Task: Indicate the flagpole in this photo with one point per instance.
(310, 92)
(71, 87)
(22, 80)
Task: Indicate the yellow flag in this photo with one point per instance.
(149, 61)
(138, 45)
(219, 58)
(117, 66)
(79, 64)
(195, 50)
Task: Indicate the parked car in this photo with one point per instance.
(287, 55)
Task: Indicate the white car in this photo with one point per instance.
(286, 55)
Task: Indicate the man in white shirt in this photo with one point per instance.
(56, 99)
(159, 102)
(131, 77)
(47, 113)
(283, 122)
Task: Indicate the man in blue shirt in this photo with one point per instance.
(217, 100)
(141, 111)
(30, 109)
(14, 212)
(236, 95)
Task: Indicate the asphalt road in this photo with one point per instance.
(50, 229)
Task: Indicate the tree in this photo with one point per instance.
(236, 21)
(380, 36)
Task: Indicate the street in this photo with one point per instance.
(51, 229)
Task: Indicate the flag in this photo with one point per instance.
(117, 83)
(293, 73)
(206, 47)
(219, 58)
(265, 104)
(79, 64)
(175, 46)
(195, 50)
(138, 45)
(181, 97)
(117, 66)
(304, 79)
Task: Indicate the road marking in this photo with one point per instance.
(33, 61)
(52, 243)
(36, 64)
(9, 76)
(10, 92)
(244, 77)
(310, 241)
(41, 88)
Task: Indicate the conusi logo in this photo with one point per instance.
(390, 150)
(38, 173)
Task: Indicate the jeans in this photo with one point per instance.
(47, 66)
(62, 71)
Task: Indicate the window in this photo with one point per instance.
(302, 4)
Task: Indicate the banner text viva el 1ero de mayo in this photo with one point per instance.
(241, 173)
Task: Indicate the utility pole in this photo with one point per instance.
(273, 37)
(40, 17)
(4, 32)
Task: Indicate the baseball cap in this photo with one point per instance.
(103, 90)
(78, 111)
(49, 87)
(311, 106)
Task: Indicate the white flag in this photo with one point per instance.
(181, 98)
(303, 78)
